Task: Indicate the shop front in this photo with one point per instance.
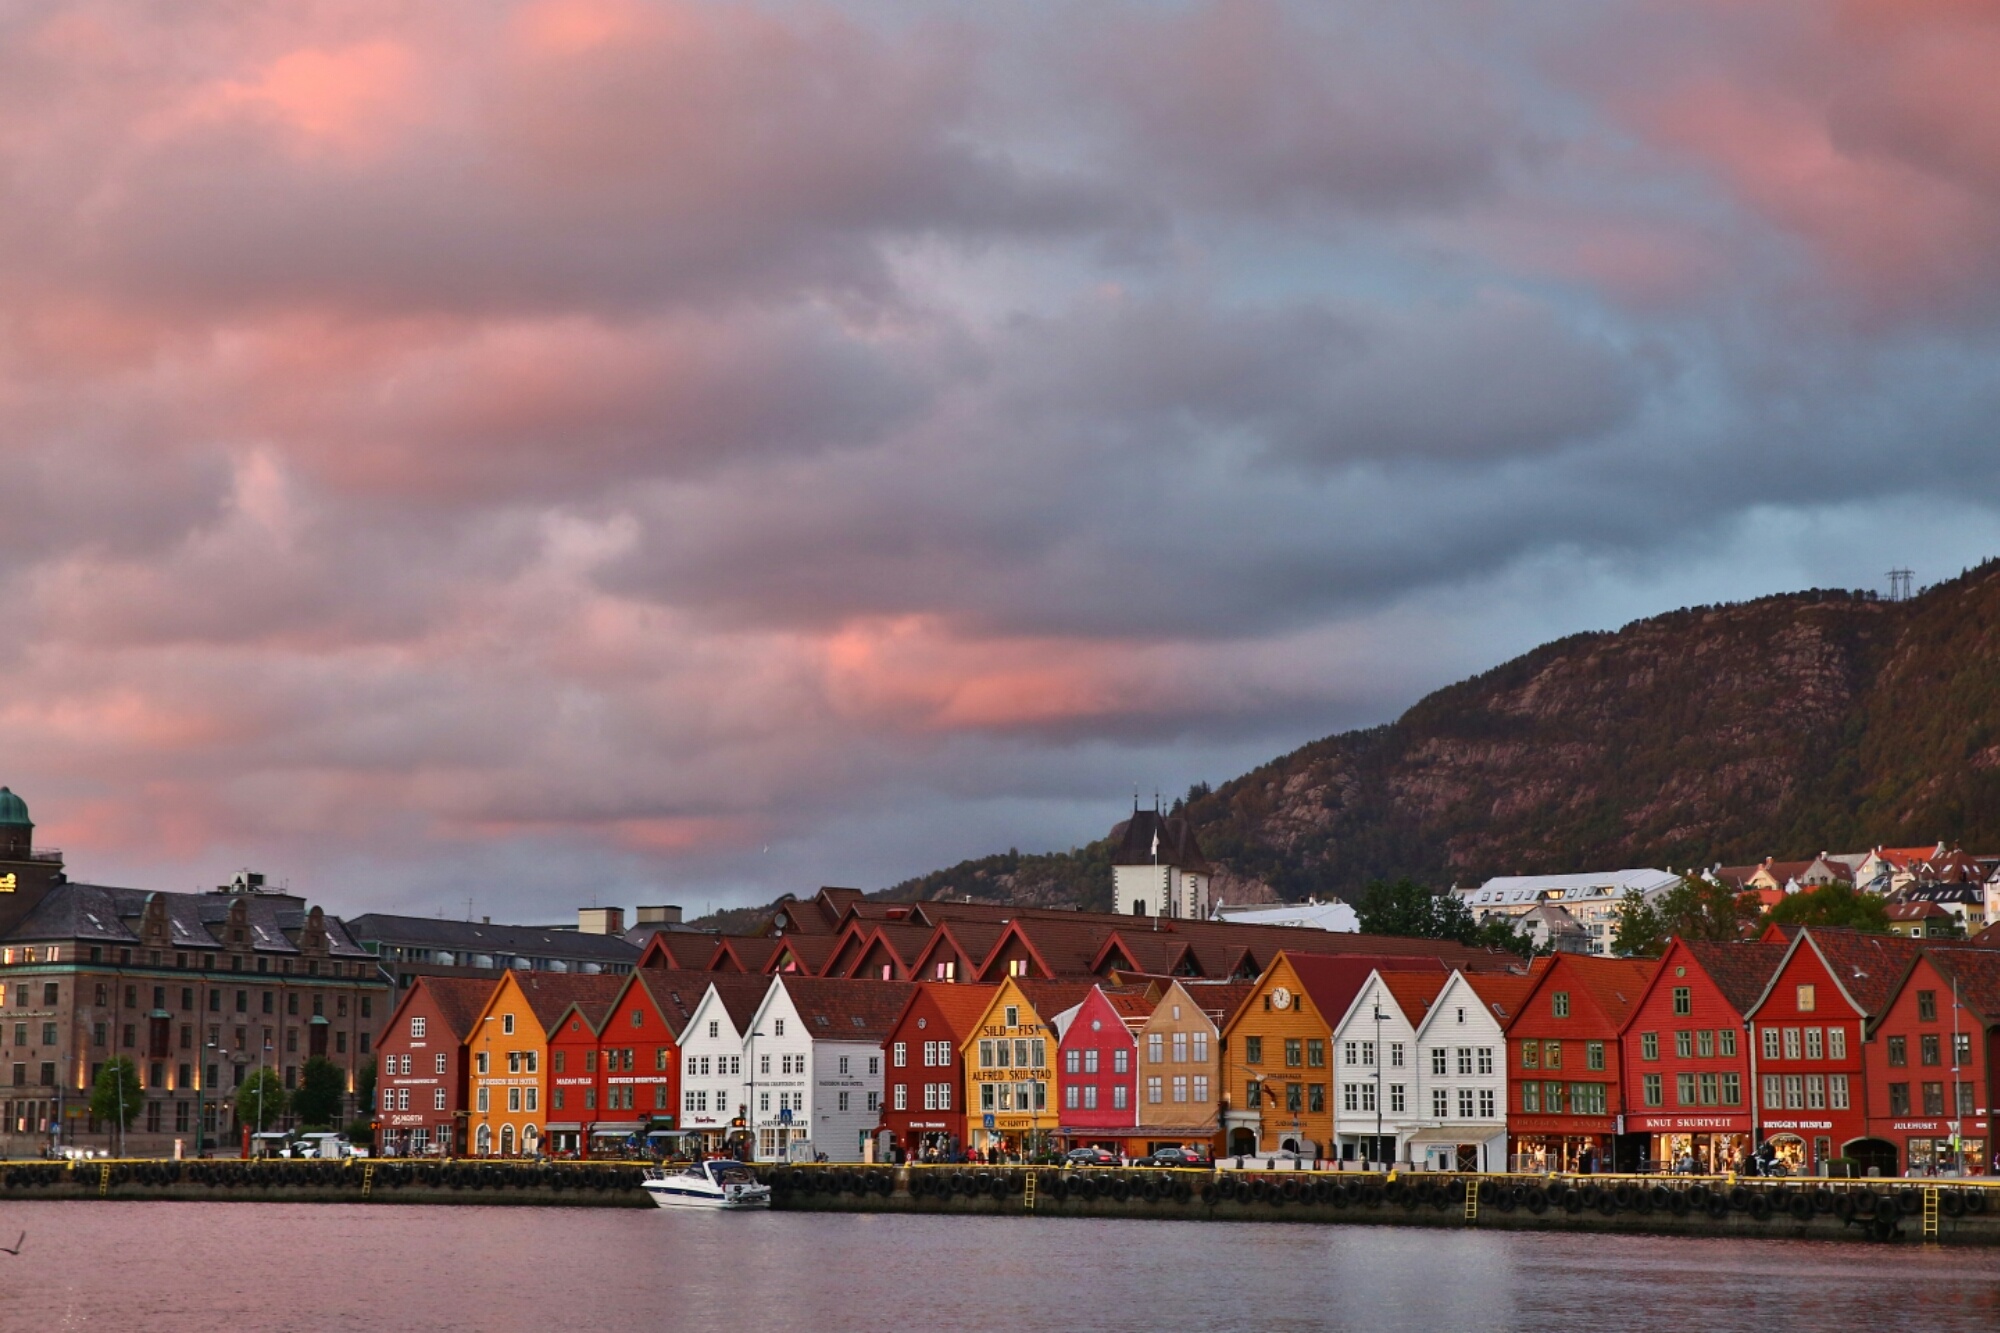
(1560, 1143)
(565, 1138)
(1476, 1147)
(1710, 1145)
(1801, 1147)
(1939, 1147)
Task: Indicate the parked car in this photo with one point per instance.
(1090, 1157)
(1183, 1157)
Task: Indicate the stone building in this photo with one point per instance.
(196, 989)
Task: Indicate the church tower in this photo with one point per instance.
(1157, 868)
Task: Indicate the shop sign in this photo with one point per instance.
(1690, 1123)
(1934, 1126)
(1798, 1124)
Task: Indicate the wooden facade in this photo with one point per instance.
(1010, 1067)
(1565, 1058)
(420, 1082)
(924, 1102)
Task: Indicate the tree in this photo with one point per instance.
(1832, 905)
(116, 1096)
(1641, 931)
(261, 1099)
(321, 1086)
(1404, 907)
(364, 1084)
(1700, 909)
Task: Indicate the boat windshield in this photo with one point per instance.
(730, 1173)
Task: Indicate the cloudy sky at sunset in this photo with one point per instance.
(640, 450)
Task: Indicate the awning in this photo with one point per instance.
(565, 1126)
(617, 1126)
(1458, 1134)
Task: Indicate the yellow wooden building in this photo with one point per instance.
(1010, 1062)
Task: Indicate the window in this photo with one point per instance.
(1815, 1092)
(1770, 1042)
(1650, 1086)
(1073, 1061)
(714, 1028)
(1090, 1096)
(1684, 1090)
(481, 1099)
(1683, 1001)
(1465, 1061)
(1704, 1043)
(1927, 1006)
(1121, 1061)
(1933, 1099)
(899, 1054)
(1090, 1061)
(1465, 1103)
(1395, 1055)
(1559, 1004)
(1684, 1045)
(843, 1100)
(507, 1024)
(1725, 1042)
(1118, 1096)
(1795, 1092)
(1485, 1059)
(1552, 1055)
(1965, 1096)
(1836, 1043)
(1440, 1103)
(1367, 1052)
(1395, 1097)
(1792, 1044)
(1929, 1047)
(1710, 1089)
(1806, 999)
(1013, 1016)
(1180, 1087)
(1774, 1096)
(1072, 1096)
(481, 1061)
(1315, 1095)
(1155, 1048)
(1815, 1047)
(1531, 1052)
(437, 1098)
(1439, 1059)
(1587, 1098)
(1201, 1050)
(1531, 1096)
(1180, 1048)
(1319, 1092)
(417, 1029)
(1253, 1051)
(1898, 1050)
(1732, 1090)
(1552, 1098)
(1899, 1099)
(1295, 1053)
(1153, 1090)
(843, 1064)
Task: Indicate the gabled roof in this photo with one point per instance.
(1614, 985)
(959, 1005)
(1975, 976)
(1503, 993)
(846, 1009)
(1414, 992)
(1151, 838)
(679, 950)
(457, 1001)
(968, 941)
(1331, 983)
(1741, 972)
(902, 942)
(810, 953)
(1218, 999)
(1866, 968)
(549, 994)
(740, 994)
(744, 953)
(674, 994)
(1154, 952)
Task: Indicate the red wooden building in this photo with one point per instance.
(1686, 1052)
(1930, 1065)
(1565, 1064)
(1097, 1072)
(1810, 1025)
(420, 1080)
(614, 1070)
(923, 1095)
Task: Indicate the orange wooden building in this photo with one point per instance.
(508, 1052)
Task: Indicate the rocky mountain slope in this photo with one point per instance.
(1822, 720)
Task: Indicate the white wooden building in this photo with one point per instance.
(1375, 1088)
(1461, 1059)
(714, 1073)
(814, 1048)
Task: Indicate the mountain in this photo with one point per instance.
(1810, 721)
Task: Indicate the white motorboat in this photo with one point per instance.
(718, 1184)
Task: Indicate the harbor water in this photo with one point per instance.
(166, 1267)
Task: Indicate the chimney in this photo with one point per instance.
(657, 916)
(600, 920)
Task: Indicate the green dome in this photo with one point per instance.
(13, 810)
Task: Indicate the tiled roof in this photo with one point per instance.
(959, 1006)
(1052, 997)
(810, 951)
(749, 953)
(1414, 992)
(457, 1000)
(1914, 911)
(678, 950)
(674, 993)
(106, 913)
(1218, 999)
(1503, 993)
(740, 994)
(1975, 972)
(1333, 982)
(844, 1009)
(1151, 838)
(1867, 967)
(550, 993)
(1613, 984)
(1742, 972)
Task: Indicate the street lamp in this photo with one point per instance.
(1378, 1075)
(750, 1106)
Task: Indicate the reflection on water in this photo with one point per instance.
(243, 1267)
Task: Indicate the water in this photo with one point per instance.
(166, 1267)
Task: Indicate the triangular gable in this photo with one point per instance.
(1014, 942)
(848, 947)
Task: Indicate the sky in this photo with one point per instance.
(470, 455)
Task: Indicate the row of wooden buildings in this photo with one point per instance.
(1826, 1044)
